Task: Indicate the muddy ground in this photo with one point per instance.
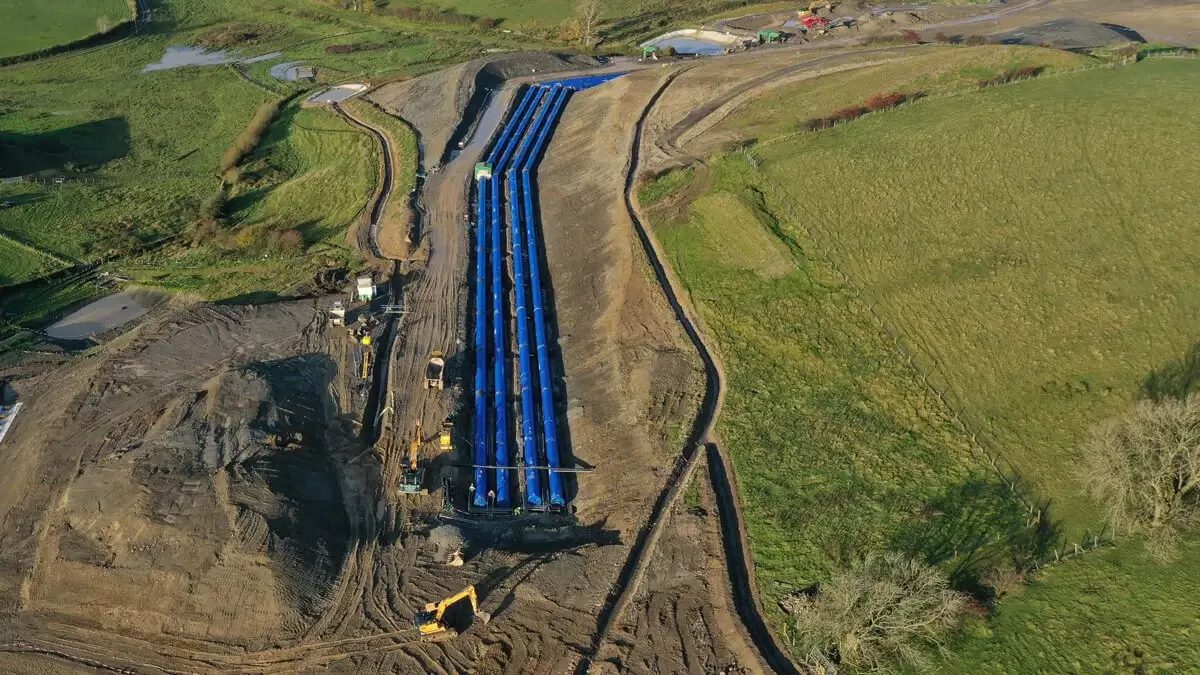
(201, 494)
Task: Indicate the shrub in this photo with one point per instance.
(352, 48)
(287, 241)
(847, 114)
(233, 35)
(1012, 76)
(890, 608)
(910, 36)
(249, 137)
(1144, 466)
(884, 101)
(977, 40)
(943, 38)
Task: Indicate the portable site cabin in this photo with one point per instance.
(365, 291)
(337, 314)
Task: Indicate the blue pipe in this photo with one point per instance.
(499, 342)
(481, 426)
(480, 498)
(533, 488)
(549, 422)
(503, 154)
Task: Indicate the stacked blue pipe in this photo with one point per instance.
(513, 158)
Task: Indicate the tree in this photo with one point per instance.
(587, 20)
(887, 609)
(1144, 466)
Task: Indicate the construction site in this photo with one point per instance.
(470, 459)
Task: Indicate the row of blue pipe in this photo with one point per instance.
(512, 158)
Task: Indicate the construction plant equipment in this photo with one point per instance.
(337, 314)
(411, 479)
(450, 617)
(367, 357)
(810, 20)
(433, 371)
(444, 443)
(769, 36)
(650, 52)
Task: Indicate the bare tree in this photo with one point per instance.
(889, 609)
(587, 20)
(1145, 467)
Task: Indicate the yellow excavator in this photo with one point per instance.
(450, 617)
(410, 480)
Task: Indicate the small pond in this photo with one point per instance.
(105, 314)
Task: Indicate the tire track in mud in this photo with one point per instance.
(740, 567)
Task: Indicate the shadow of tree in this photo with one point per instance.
(1175, 379)
(87, 144)
(977, 525)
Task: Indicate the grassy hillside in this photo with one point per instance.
(123, 161)
(1034, 247)
(1030, 247)
(32, 26)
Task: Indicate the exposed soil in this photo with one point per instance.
(444, 104)
(201, 494)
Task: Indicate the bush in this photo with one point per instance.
(884, 101)
(288, 242)
(977, 40)
(352, 48)
(249, 137)
(233, 35)
(890, 608)
(1012, 76)
(1144, 466)
(423, 14)
(910, 36)
(847, 114)
(943, 38)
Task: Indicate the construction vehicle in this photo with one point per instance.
(433, 371)
(444, 443)
(337, 314)
(367, 357)
(809, 18)
(450, 617)
(411, 479)
(769, 36)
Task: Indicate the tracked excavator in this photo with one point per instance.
(451, 617)
(410, 481)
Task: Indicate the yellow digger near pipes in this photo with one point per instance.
(411, 478)
(436, 617)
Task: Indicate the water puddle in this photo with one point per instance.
(105, 314)
(687, 45)
(177, 57)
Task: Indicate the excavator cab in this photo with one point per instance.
(456, 613)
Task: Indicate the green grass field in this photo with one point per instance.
(138, 152)
(313, 173)
(1031, 246)
(20, 263)
(1099, 614)
(32, 26)
(933, 69)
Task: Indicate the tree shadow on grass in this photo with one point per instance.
(87, 144)
(1175, 379)
(977, 525)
